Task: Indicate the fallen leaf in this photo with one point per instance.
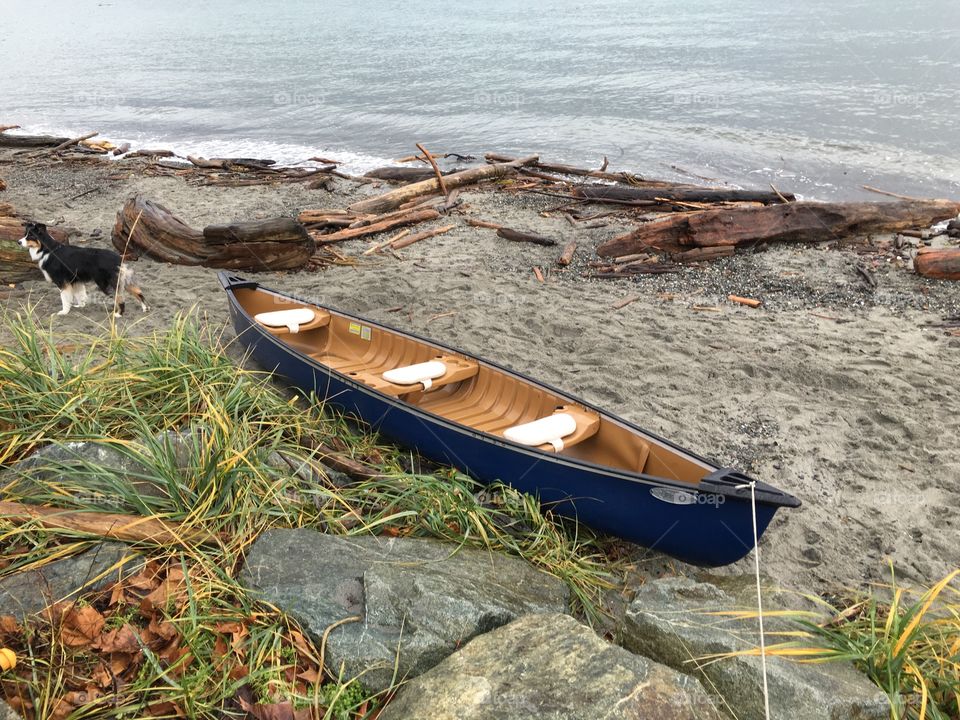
(81, 626)
(122, 640)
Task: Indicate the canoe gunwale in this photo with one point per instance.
(719, 480)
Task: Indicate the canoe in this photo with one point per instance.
(496, 424)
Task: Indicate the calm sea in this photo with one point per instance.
(820, 97)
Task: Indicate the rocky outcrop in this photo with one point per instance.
(669, 621)
(409, 602)
(549, 667)
(73, 466)
(29, 592)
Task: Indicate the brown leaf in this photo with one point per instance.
(311, 676)
(274, 711)
(122, 640)
(81, 626)
(9, 625)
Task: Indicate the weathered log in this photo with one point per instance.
(121, 149)
(147, 228)
(15, 263)
(566, 257)
(404, 174)
(939, 263)
(393, 199)
(129, 528)
(402, 243)
(518, 236)
(3, 185)
(680, 193)
(702, 254)
(411, 218)
(7, 210)
(582, 172)
(791, 222)
(150, 154)
(30, 141)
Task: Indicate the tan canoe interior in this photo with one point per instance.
(469, 393)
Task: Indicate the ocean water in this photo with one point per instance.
(818, 97)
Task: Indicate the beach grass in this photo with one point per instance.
(906, 640)
(222, 451)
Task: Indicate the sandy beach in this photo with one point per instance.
(843, 395)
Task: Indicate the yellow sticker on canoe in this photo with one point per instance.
(363, 331)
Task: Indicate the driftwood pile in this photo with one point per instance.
(147, 228)
(677, 223)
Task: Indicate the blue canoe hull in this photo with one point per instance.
(703, 528)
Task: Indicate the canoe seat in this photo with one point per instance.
(292, 321)
(567, 426)
(441, 370)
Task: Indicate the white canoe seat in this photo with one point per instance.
(567, 426)
(294, 320)
(423, 373)
(430, 375)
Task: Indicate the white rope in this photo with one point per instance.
(756, 560)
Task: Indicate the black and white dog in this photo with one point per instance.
(71, 268)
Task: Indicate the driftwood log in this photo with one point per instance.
(404, 174)
(15, 264)
(680, 193)
(147, 228)
(520, 236)
(939, 263)
(791, 222)
(30, 141)
(395, 198)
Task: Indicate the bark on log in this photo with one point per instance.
(3, 185)
(414, 216)
(403, 174)
(582, 172)
(518, 236)
(679, 193)
(275, 244)
(30, 141)
(393, 199)
(939, 263)
(129, 528)
(792, 222)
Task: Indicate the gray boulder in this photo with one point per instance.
(549, 667)
(29, 592)
(668, 621)
(414, 601)
(7, 712)
(73, 465)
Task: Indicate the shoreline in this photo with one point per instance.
(832, 391)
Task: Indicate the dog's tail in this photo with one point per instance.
(128, 283)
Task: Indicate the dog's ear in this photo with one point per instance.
(31, 226)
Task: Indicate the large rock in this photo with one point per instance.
(415, 600)
(668, 621)
(29, 592)
(73, 464)
(549, 667)
(8, 713)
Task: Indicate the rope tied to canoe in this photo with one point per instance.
(756, 561)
